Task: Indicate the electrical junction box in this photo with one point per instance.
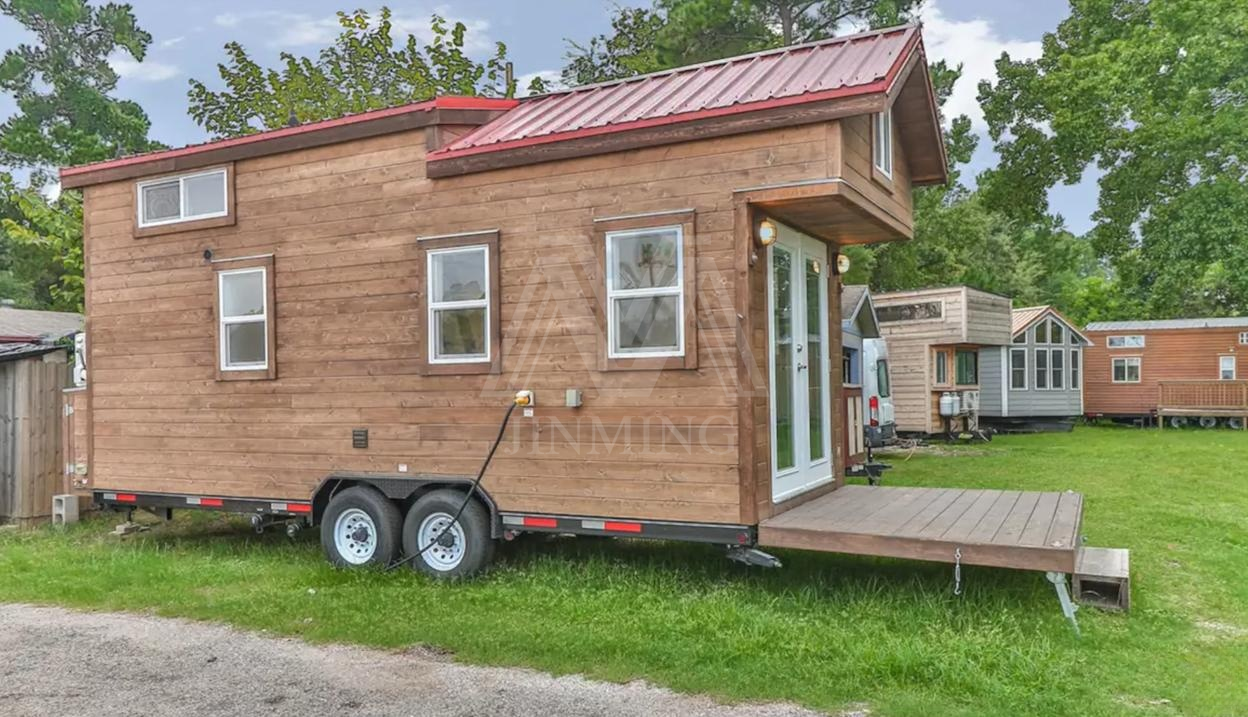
(573, 399)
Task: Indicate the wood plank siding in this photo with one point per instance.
(342, 222)
(30, 436)
(1167, 355)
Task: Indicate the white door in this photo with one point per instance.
(801, 370)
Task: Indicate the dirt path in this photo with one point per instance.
(58, 662)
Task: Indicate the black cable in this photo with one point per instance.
(471, 490)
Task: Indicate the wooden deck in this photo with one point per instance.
(1005, 529)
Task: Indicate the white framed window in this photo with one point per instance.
(942, 368)
(1126, 369)
(1057, 368)
(645, 293)
(1041, 332)
(1125, 342)
(1075, 368)
(1042, 369)
(458, 319)
(1243, 338)
(243, 298)
(168, 200)
(1018, 369)
(1021, 338)
(882, 142)
(1226, 368)
(1055, 333)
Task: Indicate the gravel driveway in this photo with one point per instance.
(63, 663)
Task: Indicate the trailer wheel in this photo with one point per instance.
(361, 529)
(463, 550)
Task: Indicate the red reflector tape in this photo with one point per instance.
(212, 502)
(299, 507)
(540, 522)
(622, 527)
(127, 498)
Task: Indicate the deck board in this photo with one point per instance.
(1013, 529)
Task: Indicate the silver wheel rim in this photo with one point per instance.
(439, 556)
(355, 536)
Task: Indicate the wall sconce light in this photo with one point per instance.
(767, 232)
(842, 264)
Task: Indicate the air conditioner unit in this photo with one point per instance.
(970, 401)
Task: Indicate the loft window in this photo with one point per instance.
(882, 142)
(245, 330)
(1126, 369)
(967, 367)
(1018, 369)
(1042, 369)
(458, 282)
(169, 200)
(645, 293)
(1055, 333)
(1057, 360)
(1226, 368)
(1020, 338)
(922, 311)
(1075, 368)
(1042, 332)
(1125, 342)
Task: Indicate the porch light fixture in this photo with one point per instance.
(842, 264)
(767, 232)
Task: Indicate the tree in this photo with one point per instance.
(1154, 96)
(362, 70)
(61, 85)
(47, 247)
(684, 32)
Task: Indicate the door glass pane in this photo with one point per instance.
(242, 294)
(782, 358)
(645, 260)
(205, 194)
(244, 343)
(161, 202)
(460, 333)
(647, 323)
(457, 276)
(814, 358)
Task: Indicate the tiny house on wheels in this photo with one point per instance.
(934, 340)
(323, 323)
(1036, 382)
(1179, 371)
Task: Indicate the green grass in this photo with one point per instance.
(825, 631)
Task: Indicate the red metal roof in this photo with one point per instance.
(829, 69)
(449, 102)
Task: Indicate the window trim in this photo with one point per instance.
(1234, 367)
(677, 290)
(1056, 372)
(1139, 369)
(941, 360)
(250, 372)
(1243, 338)
(687, 357)
(1026, 368)
(883, 157)
(957, 379)
(1075, 370)
(184, 223)
(486, 240)
(1038, 373)
(432, 306)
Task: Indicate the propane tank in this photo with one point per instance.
(948, 406)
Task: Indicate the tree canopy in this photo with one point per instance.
(363, 69)
(1153, 97)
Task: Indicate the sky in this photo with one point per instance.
(188, 40)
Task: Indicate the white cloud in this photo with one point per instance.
(146, 71)
(227, 19)
(552, 78)
(976, 45)
(170, 42)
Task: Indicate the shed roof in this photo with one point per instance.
(828, 69)
(14, 352)
(1228, 322)
(29, 326)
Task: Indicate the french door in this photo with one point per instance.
(801, 370)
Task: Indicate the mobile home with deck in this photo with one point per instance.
(324, 322)
(934, 340)
(1178, 370)
(1035, 382)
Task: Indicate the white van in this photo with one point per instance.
(877, 393)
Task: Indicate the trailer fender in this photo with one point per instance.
(404, 488)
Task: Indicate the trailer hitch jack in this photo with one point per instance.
(753, 556)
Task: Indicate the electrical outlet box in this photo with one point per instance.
(573, 399)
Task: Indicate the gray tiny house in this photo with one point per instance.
(1035, 382)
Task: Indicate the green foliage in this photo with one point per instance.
(1154, 96)
(362, 70)
(61, 83)
(629, 49)
(44, 248)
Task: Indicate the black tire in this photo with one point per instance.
(457, 560)
(384, 535)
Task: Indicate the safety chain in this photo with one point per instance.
(957, 572)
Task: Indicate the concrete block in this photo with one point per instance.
(64, 509)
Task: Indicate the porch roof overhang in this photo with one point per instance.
(829, 209)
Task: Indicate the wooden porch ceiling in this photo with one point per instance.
(832, 210)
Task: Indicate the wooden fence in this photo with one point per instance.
(1202, 398)
(31, 471)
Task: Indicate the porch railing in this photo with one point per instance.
(1196, 396)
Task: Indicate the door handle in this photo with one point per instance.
(801, 367)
